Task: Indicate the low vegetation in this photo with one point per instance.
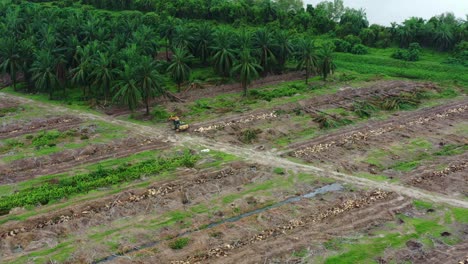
(83, 183)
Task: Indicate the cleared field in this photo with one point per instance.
(119, 192)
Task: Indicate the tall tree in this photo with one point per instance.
(247, 69)
(327, 66)
(223, 53)
(283, 48)
(264, 44)
(44, 72)
(203, 40)
(103, 73)
(149, 80)
(179, 69)
(144, 40)
(126, 88)
(307, 59)
(10, 58)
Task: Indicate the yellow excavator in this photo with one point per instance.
(179, 126)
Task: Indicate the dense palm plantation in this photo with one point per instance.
(133, 57)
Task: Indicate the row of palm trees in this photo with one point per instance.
(114, 59)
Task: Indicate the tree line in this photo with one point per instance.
(441, 32)
(112, 56)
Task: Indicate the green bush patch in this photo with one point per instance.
(179, 243)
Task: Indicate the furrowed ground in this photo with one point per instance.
(339, 173)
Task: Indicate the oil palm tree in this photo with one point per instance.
(43, 72)
(283, 48)
(203, 39)
(179, 69)
(10, 58)
(223, 54)
(327, 66)
(103, 73)
(247, 69)
(126, 88)
(307, 59)
(149, 80)
(263, 43)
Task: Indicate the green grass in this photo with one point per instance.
(451, 150)
(378, 62)
(406, 165)
(460, 214)
(422, 204)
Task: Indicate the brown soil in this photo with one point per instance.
(4, 104)
(279, 118)
(452, 179)
(345, 148)
(18, 128)
(190, 187)
(23, 169)
(210, 91)
(425, 122)
(251, 239)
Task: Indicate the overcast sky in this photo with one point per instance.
(384, 12)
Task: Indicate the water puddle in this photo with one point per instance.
(322, 190)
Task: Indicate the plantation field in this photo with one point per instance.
(335, 172)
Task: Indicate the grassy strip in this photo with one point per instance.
(375, 64)
(83, 183)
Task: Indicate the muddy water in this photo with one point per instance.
(322, 190)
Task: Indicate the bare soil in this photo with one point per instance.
(19, 128)
(23, 169)
(452, 179)
(4, 104)
(279, 121)
(252, 239)
(191, 186)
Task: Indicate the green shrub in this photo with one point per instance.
(250, 135)
(342, 45)
(159, 113)
(460, 54)
(353, 40)
(179, 243)
(411, 54)
(279, 171)
(359, 49)
(46, 138)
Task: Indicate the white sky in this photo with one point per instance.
(384, 12)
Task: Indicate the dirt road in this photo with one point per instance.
(261, 157)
